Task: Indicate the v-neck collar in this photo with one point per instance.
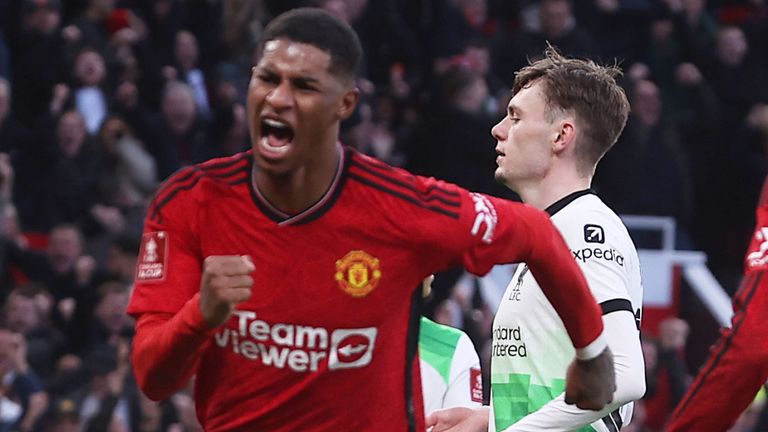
(315, 210)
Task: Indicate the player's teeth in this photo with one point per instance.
(275, 124)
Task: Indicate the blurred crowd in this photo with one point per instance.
(100, 100)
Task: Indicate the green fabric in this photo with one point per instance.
(514, 397)
(437, 343)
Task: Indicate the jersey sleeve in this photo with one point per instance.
(465, 385)
(169, 264)
(489, 231)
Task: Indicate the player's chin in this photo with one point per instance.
(500, 176)
(270, 164)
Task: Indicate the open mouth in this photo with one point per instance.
(499, 156)
(276, 136)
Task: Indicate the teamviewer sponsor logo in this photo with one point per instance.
(594, 234)
(297, 347)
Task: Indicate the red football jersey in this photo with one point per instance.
(327, 340)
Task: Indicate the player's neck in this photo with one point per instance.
(550, 189)
(294, 192)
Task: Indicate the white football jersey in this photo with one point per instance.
(531, 348)
(450, 368)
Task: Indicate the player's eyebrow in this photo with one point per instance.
(306, 80)
(513, 109)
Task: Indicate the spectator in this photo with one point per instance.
(133, 167)
(557, 26)
(90, 97)
(647, 172)
(13, 135)
(23, 398)
(72, 277)
(27, 311)
(107, 403)
(65, 416)
(667, 376)
(734, 76)
(455, 134)
(188, 69)
(39, 58)
(178, 135)
(110, 322)
(121, 258)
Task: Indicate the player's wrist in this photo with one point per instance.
(593, 349)
(193, 316)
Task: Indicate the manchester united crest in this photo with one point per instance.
(358, 273)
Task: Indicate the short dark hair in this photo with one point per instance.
(320, 29)
(587, 89)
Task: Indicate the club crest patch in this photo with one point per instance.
(476, 385)
(152, 257)
(357, 273)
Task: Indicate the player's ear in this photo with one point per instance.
(564, 136)
(348, 103)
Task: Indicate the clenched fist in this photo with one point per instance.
(590, 384)
(226, 282)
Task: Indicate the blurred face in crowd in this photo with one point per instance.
(187, 50)
(524, 139)
(731, 46)
(179, 108)
(44, 18)
(472, 97)
(5, 99)
(475, 11)
(479, 59)
(646, 104)
(21, 314)
(295, 104)
(111, 311)
(555, 17)
(64, 248)
(71, 133)
(662, 29)
(89, 68)
(694, 7)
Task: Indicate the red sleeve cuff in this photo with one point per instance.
(191, 318)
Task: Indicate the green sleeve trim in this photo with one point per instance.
(437, 345)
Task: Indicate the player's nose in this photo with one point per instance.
(281, 96)
(498, 131)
